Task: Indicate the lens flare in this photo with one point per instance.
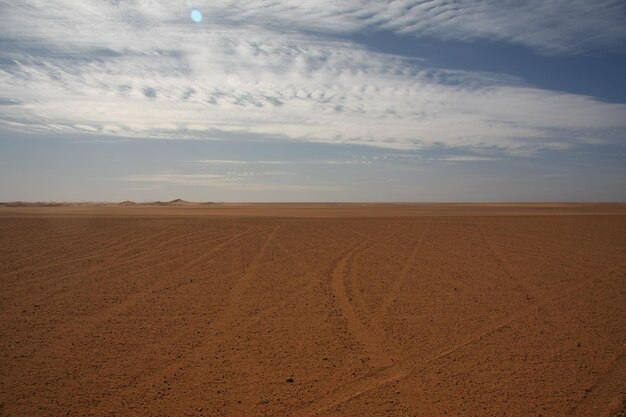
(196, 16)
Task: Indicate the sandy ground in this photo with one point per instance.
(313, 310)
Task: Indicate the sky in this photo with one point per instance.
(323, 100)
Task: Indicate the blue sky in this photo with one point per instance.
(357, 100)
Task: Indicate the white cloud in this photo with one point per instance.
(231, 181)
(561, 26)
(220, 162)
(464, 158)
(179, 179)
(144, 69)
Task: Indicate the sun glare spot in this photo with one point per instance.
(196, 16)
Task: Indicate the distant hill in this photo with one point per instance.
(177, 202)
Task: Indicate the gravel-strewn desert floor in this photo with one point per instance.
(312, 310)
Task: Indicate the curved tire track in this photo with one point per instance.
(393, 293)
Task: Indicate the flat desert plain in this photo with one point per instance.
(313, 310)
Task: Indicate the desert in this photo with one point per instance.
(301, 310)
(285, 208)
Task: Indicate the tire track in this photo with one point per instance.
(240, 287)
(283, 249)
(297, 293)
(401, 370)
(129, 244)
(510, 319)
(606, 394)
(280, 305)
(25, 240)
(90, 322)
(504, 264)
(354, 389)
(145, 256)
(355, 325)
(413, 395)
(540, 246)
(607, 383)
(94, 241)
(391, 296)
(392, 366)
(219, 326)
(159, 284)
(228, 238)
(386, 371)
(356, 295)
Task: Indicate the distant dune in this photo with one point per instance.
(177, 202)
(127, 203)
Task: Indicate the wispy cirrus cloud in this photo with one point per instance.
(552, 26)
(231, 181)
(143, 69)
(218, 162)
(562, 26)
(226, 162)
